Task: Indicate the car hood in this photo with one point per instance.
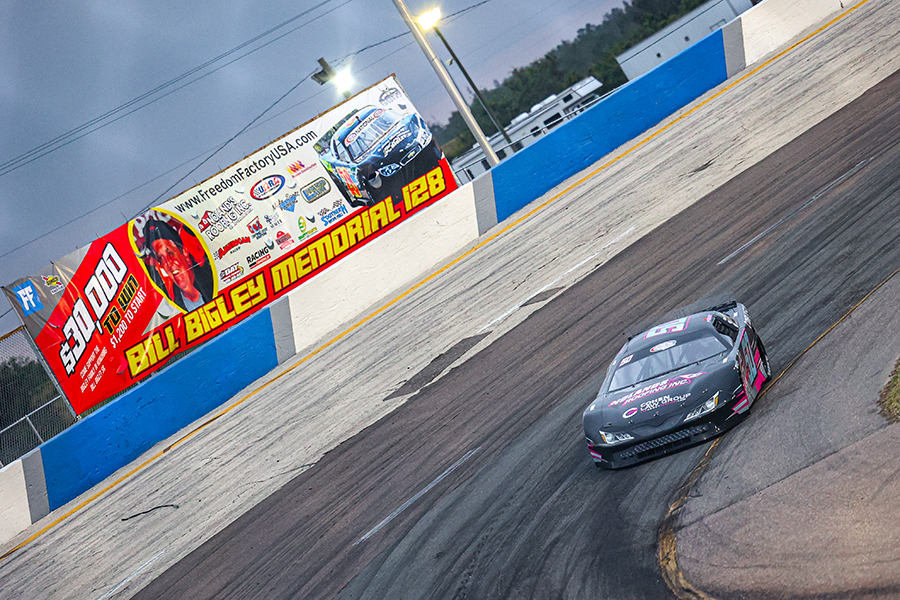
(656, 401)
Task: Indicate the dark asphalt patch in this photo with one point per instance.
(437, 366)
(545, 295)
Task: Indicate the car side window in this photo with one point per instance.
(725, 328)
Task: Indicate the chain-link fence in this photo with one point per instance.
(31, 408)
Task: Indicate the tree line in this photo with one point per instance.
(592, 52)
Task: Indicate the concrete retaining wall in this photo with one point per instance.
(768, 25)
(620, 117)
(378, 269)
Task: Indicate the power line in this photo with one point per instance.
(231, 139)
(210, 151)
(451, 17)
(213, 152)
(104, 120)
(88, 127)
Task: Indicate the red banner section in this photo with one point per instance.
(108, 316)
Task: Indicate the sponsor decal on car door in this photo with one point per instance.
(752, 377)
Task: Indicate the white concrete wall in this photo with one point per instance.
(383, 266)
(678, 36)
(14, 512)
(770, 24)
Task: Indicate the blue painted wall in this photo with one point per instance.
(620, 117)
(107, 440)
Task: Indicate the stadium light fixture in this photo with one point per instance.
(343, 79)
(444, 76)
(429, 20)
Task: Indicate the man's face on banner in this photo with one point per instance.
(172, 259)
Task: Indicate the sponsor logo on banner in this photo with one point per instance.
(54, 283)
(334, 216)
(296, 169)
(389, 95)
(283, 240)
(28, 298)
(267, 187)
(231, 246)
(304, 231)
(289, 203)
(272, 220)
(232, 272)
(215, 221)
(258, 257)
(256, 229)
(315, 190)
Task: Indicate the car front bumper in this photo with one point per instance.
(691, 433)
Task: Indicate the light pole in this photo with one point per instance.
(429, 21)
(444, 76)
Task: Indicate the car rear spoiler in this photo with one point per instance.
(718, 303)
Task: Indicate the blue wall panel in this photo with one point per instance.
(620, 117)
(107, 440)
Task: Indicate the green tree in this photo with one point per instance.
(592, 52)
(24, 387)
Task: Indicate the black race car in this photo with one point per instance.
(676, 384)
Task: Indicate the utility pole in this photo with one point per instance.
(444, 76)
(474, 88)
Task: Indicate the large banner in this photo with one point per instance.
(108, 315)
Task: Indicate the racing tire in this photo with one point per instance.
(340, 186)
(374, 195)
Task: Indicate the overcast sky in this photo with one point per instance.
(68, 66)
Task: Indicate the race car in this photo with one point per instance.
(372, 152)
(676, 384)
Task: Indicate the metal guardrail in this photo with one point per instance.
(31, 408)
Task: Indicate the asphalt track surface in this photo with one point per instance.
(515, 508)
(474, 482)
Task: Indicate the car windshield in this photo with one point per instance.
(366, 135)
(666, 356)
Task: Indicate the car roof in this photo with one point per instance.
(671, 330)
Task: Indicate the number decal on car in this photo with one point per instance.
(348, 179)
(670, 327)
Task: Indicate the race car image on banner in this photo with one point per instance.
(106, 316)
(370, 151)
